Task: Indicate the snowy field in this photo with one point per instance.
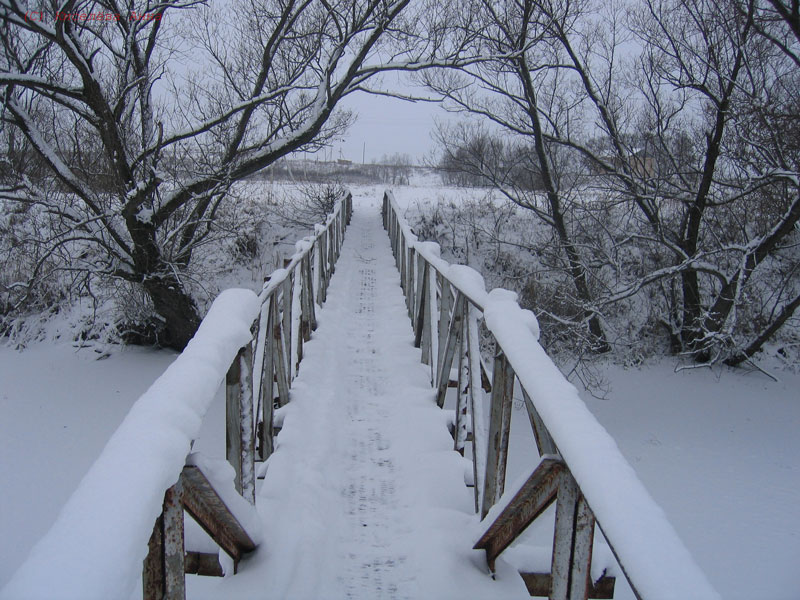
(717, 449)
(719, 452)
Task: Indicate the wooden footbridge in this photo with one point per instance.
(257, 344)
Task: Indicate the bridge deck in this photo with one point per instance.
(364, 497)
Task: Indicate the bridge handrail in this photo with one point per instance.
(653, 558)
(87, 553)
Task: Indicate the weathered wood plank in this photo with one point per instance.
(572, 544)
(163, 572)
(281, 375)
(403, 280)
(453, 335)
(419, 306)
(409, 275)
(445, 307)
(303, 323)
(462, 395)
(419, 300)
(499, 429)
(479, 434)
(538, 584)
(295, 314)
(203, 563)
(536, 494)
(201, 501)
(288, 326)
(308, 290)
(431, 337)
(397, 242)
(425, 311)
(153, 568)
(322, 255)
(265, 446)
(239, 425)
(580, 574)
(333, 253)
(544, 442)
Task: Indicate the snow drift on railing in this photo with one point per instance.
(648, 548)
(96, 547)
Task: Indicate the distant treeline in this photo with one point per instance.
(342, 171)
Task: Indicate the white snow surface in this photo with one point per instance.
(96, 547)
(364, 496)
(717, 451)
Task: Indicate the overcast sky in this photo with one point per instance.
(385, 126)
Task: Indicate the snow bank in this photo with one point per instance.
(648, 548)
(96, 547)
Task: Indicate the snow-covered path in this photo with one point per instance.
(364, 497)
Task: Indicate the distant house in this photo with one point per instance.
(640, 162)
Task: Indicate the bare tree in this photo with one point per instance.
(519, 93)
(144, 113)
(684, 114)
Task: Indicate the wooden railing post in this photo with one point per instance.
(266, 392)
(163, 575)
(322, 258)
(411, 296)
(431, 337)
(308, 319)
(479, 434)
(445, 304)
(278, 337)
(296, 303)
(418, 322)
(398, 241)
(499, 427)
(286, 313)
(239, 442)
(425, 314)
(403, 267)
(572, 543)
(332, 254)
(463, 393)
(453, 338)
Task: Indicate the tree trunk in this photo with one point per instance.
(577, 271)
(177, 308)
(691, 331)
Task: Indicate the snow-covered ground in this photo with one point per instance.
(58, 407)
(718, 451)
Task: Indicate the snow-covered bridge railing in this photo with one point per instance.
(104, 539)
(581, 468)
